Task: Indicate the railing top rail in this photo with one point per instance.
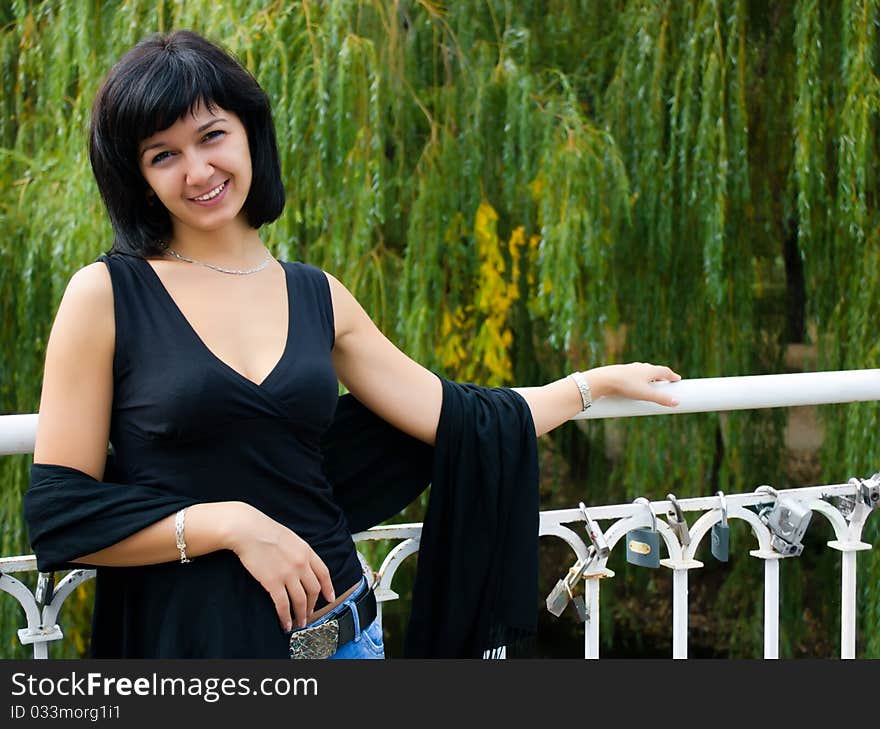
(699, 503)
(701, 395)
(753, 392)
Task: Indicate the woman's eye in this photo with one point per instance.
(160, 157)
(213, 134)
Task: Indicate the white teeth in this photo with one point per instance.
(211, 195)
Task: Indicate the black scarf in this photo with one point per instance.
(476, 584)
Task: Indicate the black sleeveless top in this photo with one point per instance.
(185, 422)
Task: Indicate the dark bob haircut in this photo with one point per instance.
(156, 83)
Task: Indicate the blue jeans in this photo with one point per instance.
(367, 642)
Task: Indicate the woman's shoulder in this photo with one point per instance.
(91, 285)
(87, 303)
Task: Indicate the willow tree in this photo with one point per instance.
(517, 189)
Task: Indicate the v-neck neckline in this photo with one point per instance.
(201, 342)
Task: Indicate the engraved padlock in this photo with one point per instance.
(643, 545)
(721, 533)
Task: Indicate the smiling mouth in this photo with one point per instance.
(210, 195)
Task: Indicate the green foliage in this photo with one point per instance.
(513, 190)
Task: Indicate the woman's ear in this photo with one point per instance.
(151, 197)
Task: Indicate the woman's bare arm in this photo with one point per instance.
(409, 396)
(208, 527)
(378, 374)
(557, 402)
(74, 422)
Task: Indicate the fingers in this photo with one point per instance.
(301, 590)
(312, 589)
(669, 375)
(639, 387)
(323, 576)
(299, 599)
(282, 606)
(667, 400)
(660, 373)
(663, 374)
(291, 572)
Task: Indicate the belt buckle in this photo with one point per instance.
(318, 641)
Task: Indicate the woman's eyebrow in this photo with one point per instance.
(203, 127)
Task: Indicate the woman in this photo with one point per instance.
(212, 368)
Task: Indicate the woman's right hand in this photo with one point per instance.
(282, 562)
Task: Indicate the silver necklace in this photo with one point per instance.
(235, 271)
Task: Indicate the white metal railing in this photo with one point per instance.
(846, 506)
(855, 501)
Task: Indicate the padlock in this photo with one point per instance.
(786, 549)
(676, 520)
(869, 490)
(558, 598)
(573, 578)
(643, 545)
(580, 608)
(787, 521)
(561, 594)
(721, 534)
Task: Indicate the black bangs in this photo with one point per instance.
(168, 81)
(167, 96)
(152, 86)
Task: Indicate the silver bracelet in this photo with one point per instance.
(178, 534)
(584, 387)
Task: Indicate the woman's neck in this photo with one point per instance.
(237, 245)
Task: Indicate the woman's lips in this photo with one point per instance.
(212, 197)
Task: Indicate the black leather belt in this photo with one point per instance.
(322, 641)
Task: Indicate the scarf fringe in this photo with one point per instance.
(507, 641)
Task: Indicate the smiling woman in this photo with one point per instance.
(213, 370)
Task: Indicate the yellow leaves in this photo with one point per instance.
(452, 350)
(485, 224)
(475, 337)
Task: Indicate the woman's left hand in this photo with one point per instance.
(632, 381)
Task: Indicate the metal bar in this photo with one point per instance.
(699, 503)
(679, 613)
(848, 604)
(17, 434)
(591, 629)
(717, 394)
(771, 608)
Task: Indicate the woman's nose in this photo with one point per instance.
(198, 171)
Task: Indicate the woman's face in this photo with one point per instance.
(199, 168)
